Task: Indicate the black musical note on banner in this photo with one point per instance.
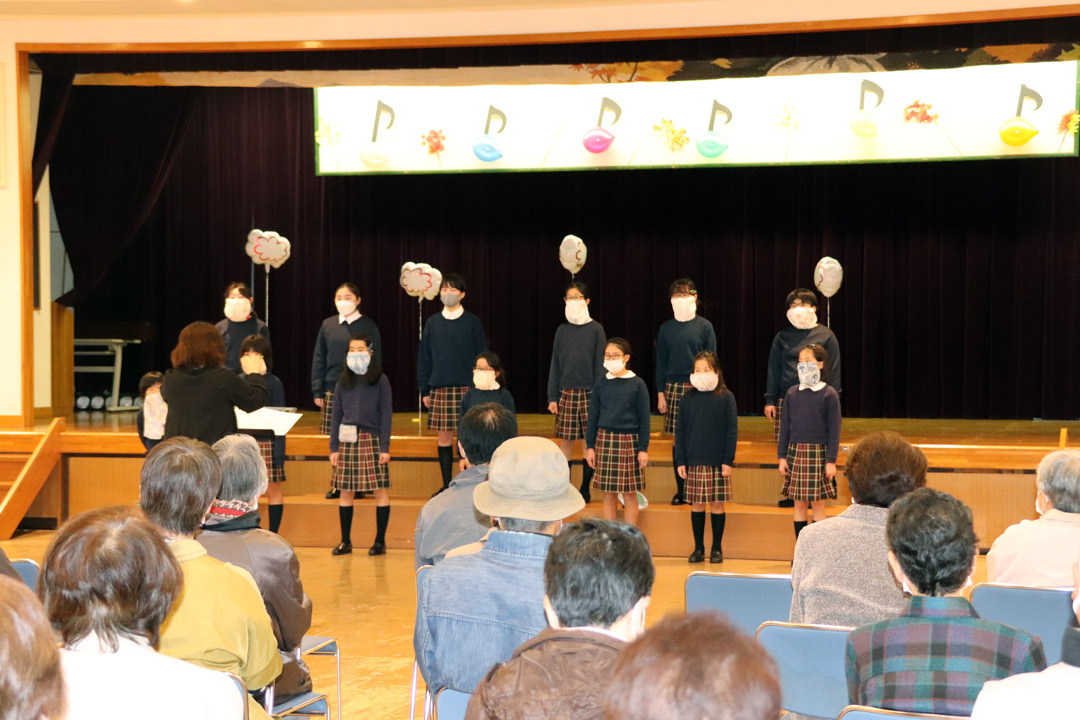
(494, 112)
(1027, 93)
(382, 109)
(718, 108)
(869, 86)
(608, 104)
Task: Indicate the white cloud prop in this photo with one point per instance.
(420, 280)
(828, 276)
(268, 248)
(572, 253)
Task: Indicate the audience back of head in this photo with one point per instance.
(932, 536)
(1058, 477)
(694, 667)
(31, 682)
(883, 467)
(483, 429)
(243, 470)
(180, 479)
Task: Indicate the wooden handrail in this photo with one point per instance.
(33, 476)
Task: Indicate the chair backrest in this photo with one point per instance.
(863, 712)
(451, 704)
(748, 600)
(28, 570)
(242, 689)
(811, 663)
(1043, 612)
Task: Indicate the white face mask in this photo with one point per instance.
(577, 312)
(484, 380)
(802, 316)
(684, 308)
(237, 309)
(809, 374)
(614, 366)
(1038, 502)
(704, 381)
(345, 307)
(358, 362)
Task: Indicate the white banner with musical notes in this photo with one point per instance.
(972, 112)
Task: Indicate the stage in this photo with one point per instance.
(988, 464)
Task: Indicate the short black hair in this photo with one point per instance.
(596, 571)
(803, 295)
(933, 538)
(453, 280)
(621, 343)
(821, 355)
(350, 287)
(180, 479)
(483, 429)
(884, 467)
(495, 363)
(261, 345)
(684, 284)
(242, 287)
(580, 287)
(148, 381)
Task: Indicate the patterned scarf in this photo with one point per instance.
(225, 510)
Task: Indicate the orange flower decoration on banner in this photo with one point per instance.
(920, 112)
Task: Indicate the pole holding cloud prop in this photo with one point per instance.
(422, 282)
(572, 254)
(269, 250)
(828, 276)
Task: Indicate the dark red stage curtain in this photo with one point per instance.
(55, 90)
(959, 297)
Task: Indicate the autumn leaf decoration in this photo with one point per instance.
(919, 112)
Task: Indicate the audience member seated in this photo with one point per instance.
(840, 575)
(1052, 693)
(598, 576)
(6, 568)
(450, 520)
(219, 621)
(231, 534)
(107, 582)
(1044, 552)
(936, 656)
(695, 667)
(31, 683)
(472, 611)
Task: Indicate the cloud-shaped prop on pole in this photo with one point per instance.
(268, 248)
(420, 280)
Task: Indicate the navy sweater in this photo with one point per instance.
(234, 334)
(369, 407)
(619, 405)
(676, 345)
(275, 397)
(708, 429)
(810, 417)
(476, 397)
(784, 356)
(332, 346)
(577, 358)
(448, 349)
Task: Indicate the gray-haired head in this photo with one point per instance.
(243, 469)
(1058, 477)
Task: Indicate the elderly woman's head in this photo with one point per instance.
(110, 573)
(179, 481)
(243, 469)
(31, 683)
(931, 541)
(883, 467)
(1058, 481)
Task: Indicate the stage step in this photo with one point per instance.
(753, 532)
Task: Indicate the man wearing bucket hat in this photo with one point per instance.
(473, 611)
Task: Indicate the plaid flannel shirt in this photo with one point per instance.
(935, 657)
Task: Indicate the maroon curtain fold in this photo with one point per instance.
(55, 89)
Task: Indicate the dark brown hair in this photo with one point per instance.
(241, 287)
(694, 666)
(180, 478)
(148, 381)
(623, 345)
(685, 285)
(109, 572)
(259, 344)
(31, 683)
(884, 467)
(200, 344)
(714, 362)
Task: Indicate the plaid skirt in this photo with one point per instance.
(266, 447)
(327, 412)
(617, 469)
(358, 468)
(705, 484)
(776, 420)
(673, 393)
(445, 406)
(806, 479)
(573, 415)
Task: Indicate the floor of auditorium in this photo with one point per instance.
(368, 604)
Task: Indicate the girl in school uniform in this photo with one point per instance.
(331, 346)
(360, 440)
(617, 438)
(810, 436)
(240, 321)
(489, 385)
(272, 447)
(705, 440)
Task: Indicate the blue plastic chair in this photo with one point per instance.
(863, 712)
(28, 570)
(810, 658)
(748, 600)
(451, 704)
(1043, 612)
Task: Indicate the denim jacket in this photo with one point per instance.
(473, 611)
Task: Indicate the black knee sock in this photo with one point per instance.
(345, 516)
(679, 482)
(718, 522)
(446, 464)
(799, 525)
(382, 517)
(697, 522)
(274, 512)
(586, 479)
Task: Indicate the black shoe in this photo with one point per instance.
(716, 557)
(678, 499)
(342, 549)
(378, 548)
(786, 502)
(697, 556)
(334, 494)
